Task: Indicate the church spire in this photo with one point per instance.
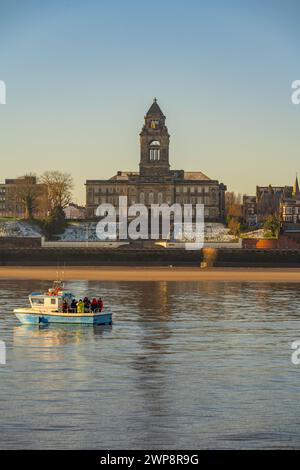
(155, 141)
(154, 110)
(296, 187)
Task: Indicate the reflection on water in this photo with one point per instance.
(185, 365)
(58, 336)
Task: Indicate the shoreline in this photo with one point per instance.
(134, 274)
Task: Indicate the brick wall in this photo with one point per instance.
(284, 242)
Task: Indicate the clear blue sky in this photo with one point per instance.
(81, 74)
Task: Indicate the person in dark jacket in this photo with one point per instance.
(87, 304)
(65, 306)
(73, 306)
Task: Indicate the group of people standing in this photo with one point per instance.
(83, 306)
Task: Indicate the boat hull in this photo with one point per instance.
(41, 318)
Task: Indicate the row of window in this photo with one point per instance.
(291, 210)
(123, 190)
(196, 200)
(208, 211)
(152, 198)
(194, 189)
(142, 199)
(107, 190)
(291, 218)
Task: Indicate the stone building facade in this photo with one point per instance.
(290, 210)
(268, 200)
(250, 210)
(156, 182)
(10, 205)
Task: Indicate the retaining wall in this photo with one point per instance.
(145, 257)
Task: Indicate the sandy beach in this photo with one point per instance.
(152, 274)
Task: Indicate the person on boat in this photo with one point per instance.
(73, 306)
(94, 305)
(65, 306)
(87, 304)
(100, 304)
(80, 306)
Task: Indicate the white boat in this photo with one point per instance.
(48, 308)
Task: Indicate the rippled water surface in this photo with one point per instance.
(185, 365)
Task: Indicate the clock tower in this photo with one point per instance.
(155, 140)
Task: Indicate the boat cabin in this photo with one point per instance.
(49, 302)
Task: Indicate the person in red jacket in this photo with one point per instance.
(94, 305)
(100, 304)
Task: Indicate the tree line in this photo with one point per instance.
(235, 220)
(59, 188)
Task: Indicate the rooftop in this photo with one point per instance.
(195, 175)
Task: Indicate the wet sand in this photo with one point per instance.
(152, 274)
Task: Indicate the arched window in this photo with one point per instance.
(154, 153)
(151, 198)
(142, 198)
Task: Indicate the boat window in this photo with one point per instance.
(37, 301)
(53, 301)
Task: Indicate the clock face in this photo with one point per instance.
(154, 124)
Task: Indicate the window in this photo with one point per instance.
(154, 124)
(53, 301)
(154, 153)
(151, 198)
(37, 301)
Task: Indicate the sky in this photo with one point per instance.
(81, 74)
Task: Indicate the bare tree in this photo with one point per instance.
(26, 194)
(233, 204)
(59, 186)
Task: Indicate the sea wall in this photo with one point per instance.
(97, 257)
(145, 257)
(82, 244)
(20, 242)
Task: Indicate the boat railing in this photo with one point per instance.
(86, 310)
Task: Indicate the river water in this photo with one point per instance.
(184, 365)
